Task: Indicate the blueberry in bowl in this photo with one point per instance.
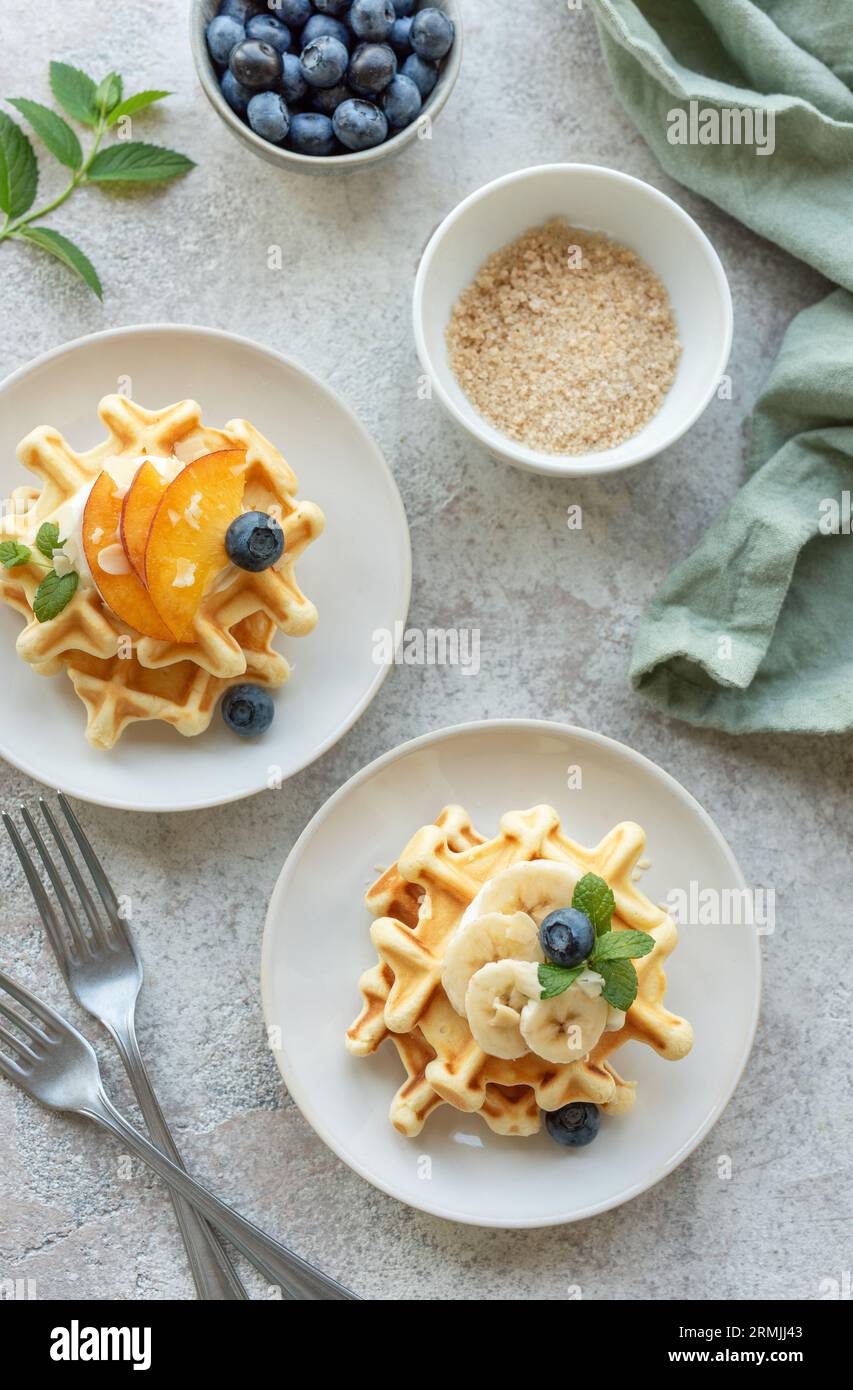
(360, 125)
(372, 19)
(255, 64)
(372, 67)
(324, 61)
(267, 29)
(342, 82)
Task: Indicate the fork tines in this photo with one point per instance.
(78, 943)
(23, 1050)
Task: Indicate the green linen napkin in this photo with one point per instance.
(753, 632)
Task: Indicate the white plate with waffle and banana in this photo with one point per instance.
(482, 982)
(193, 526)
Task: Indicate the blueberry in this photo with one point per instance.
(292, 84)
(331, 6)
(267, 29)
(423, 73)
(402, 8)
(255, 64)
(401, 102)
(254, 540)
(248, 710)
(574, 1126)
(324, 61)
(359, 125)
(242, 10)
(269, 117)
(328, 99)
(237, 96)
(432, 33)
(399, 37)
(293, 12)
(223, 34)
(312, 133)
(371, 19)
(371, 68)
(567, 936)
(320, 24)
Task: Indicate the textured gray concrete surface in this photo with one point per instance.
(557, 619)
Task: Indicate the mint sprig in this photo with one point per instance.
(556, 979)
(98, 106)
(620, 983)
(621, 945)
(53, 594)
(611, 955)
(13, 554)
(595, 897)
(55, 591)
(47, 539)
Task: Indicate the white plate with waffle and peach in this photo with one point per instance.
(483, 982)
(198, 540)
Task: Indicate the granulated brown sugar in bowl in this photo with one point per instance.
(566, 341)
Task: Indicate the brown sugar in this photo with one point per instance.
(566, 341)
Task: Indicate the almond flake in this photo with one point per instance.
(192, 513)
(185, 576)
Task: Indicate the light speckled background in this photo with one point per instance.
(557, 617)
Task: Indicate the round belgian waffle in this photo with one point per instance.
(121, 675)
(419, 902)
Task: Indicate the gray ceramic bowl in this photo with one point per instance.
(201, 13)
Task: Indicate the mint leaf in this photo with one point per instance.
(13, 553)
(65, 251)
(556, 979)
(621, 945)
(53, 594)
(131, 105)
(134, 161)
(52, 129)
(47, 538)
(108, 93)
(594, 897)
(75, 92)
(19, 173)
(620, 983)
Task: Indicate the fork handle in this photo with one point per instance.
(280, 1267)
(214, 1275)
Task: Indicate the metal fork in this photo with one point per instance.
(104, 974)
(56, 1065)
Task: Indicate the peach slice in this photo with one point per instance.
(121, 589)
(186, 543)
(140, 503)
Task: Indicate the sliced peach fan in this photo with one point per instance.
(119, 586)
(137, 513)
(186, 542)
(152, 553)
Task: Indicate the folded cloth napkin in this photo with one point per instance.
(753, 632)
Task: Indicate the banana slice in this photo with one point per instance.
(496, 996)
(536, 887)
(482, 941)
(568, 1027)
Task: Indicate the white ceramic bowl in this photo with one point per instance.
(203, 11)
(358, 573)
(317, 943)
(631, 212)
